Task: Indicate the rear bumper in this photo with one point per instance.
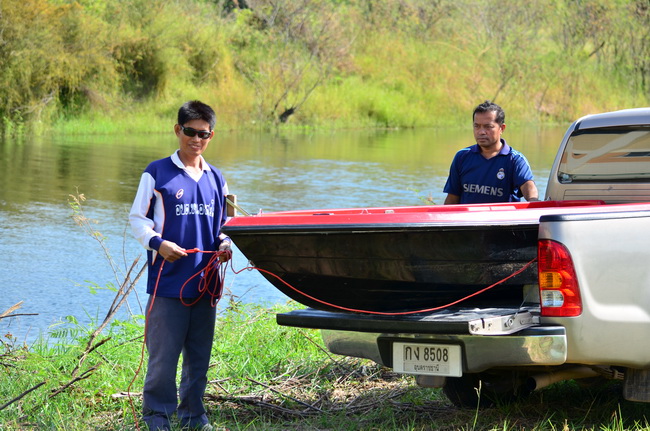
(533, 346)
(372, 337)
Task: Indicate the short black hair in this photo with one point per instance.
(488, 106)
(195, 110)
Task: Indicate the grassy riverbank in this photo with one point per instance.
(267, 377)
(98, 66)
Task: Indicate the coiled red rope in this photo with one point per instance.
(214, 268)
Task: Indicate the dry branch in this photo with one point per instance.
(11, 309)
(7, 313)
(21, 395)
(285, 395)
(83, 376)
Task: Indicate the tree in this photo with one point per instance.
(52, 56)
(307, 42)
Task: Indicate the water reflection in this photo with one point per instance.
(49, 262)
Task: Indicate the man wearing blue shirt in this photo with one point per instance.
(180, 205)
(489, 171)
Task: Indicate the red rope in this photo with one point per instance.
(402, 313)
(212, 269)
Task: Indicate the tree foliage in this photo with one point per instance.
(306, 42)
(52, 56)
(379, 62)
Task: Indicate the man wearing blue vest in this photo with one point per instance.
(489, 171)
(180, 206)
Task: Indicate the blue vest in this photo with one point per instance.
(194, 212)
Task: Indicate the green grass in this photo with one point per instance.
(268, 377)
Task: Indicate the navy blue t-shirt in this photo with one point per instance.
(479, 180)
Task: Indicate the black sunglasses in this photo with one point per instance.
(188, 131)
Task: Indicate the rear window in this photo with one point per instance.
(608, 154)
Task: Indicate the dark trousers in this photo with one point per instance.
(173, 329)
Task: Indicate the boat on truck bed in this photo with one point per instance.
(593, 290)
(401, 259)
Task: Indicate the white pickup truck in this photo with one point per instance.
(589, 315)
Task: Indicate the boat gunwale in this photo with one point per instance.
(376, 227)
(336, 220)
(484, 208)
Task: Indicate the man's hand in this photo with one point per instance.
(529, 190)
(225, 247)
(452, 199)
(171, 251)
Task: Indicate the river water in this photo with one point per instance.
(57, 270)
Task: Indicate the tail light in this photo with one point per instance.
(558, 285)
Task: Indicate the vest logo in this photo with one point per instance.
(201, 209)
(501, 174)
(179, 193)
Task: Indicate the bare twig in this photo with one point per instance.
(120, 297)
(285, 395)
(7, 313)
(83, 376)
(12, 309)
(327, 352)
(257, 401)
(99, 344)
(127, 284)
(2, 407)
(18, 314)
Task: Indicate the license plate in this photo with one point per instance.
(429, 359)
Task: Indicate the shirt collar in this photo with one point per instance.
(177, 161)
(505, 150)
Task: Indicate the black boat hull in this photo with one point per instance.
(391, 268)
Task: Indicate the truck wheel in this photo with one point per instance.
(481, 390)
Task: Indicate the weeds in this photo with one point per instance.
(290, 382)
